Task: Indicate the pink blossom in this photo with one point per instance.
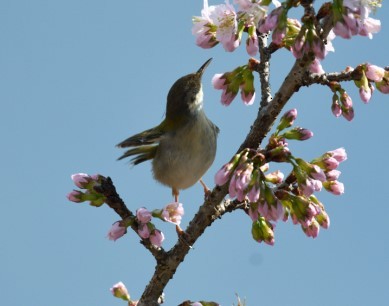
(252, 45)
(81, 179)
(243, 178)
(369, 27)
(223, 175)
(341, 29)
(253, 213)
(277, 211)
(346, 100)
(330, 163)
(318, 48)
(224, 17)
(227, 97)
(298, 134)
(348, 114)
(339, 154)
(116, 231)
(316, 67)
(75, 196)
(275, 177)
(374, 73)
(317, 173)
(312, 230)
(310, 186)
(365, 94)
(156, 238)
(144, 231)
(271, 21)
(335, 187)
(218, 81)
(323, 219)
(119, 290)
(248, 98)
(173, 213)
(383, 86)
(203, 28)
(278, 35)
(253, 194)
(332, 175)
(336, 109)
(143, 215)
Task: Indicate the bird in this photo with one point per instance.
(183, 146)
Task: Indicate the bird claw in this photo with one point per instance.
(207, 191)
(183, 236)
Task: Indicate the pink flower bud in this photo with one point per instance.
(144, 231)
(252, 45)
(223, 175)
(143, 215)
(119, 290)
(116, 231)
(312, 230)
(332, 175)
(81, 179)
(75, 196)
(316, 67)
(335, 187)
(348, 114)
(339, 154)
(218, 81)
(374, 73)
(365, 94)
(156, 238)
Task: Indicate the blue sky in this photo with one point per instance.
(77, 77)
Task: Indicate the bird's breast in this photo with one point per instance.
(184, 155)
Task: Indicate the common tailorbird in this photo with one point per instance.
(183, 146)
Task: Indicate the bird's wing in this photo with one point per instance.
(147, 137)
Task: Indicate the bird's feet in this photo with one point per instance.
(207, 191)
(183, 236)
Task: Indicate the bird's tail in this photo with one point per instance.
(145, 145)
(140, 154)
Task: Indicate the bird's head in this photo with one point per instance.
(185, 97)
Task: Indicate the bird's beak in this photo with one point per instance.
(202, 68)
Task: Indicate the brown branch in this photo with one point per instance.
(216, 205)
(114, 201)
(327, 78)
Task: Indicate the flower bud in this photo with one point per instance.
(335, 187)
(156, 238)
(298, 133)
(75, 196)
(374, 73)
(116, 231)
(287, 119)
(143, 215)
(119, 290)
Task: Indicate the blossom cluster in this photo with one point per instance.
(225, 25)
(87, 182)
(230, 83)
(269, 195)
(172, 212)
(342, 103)
(351, 17)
